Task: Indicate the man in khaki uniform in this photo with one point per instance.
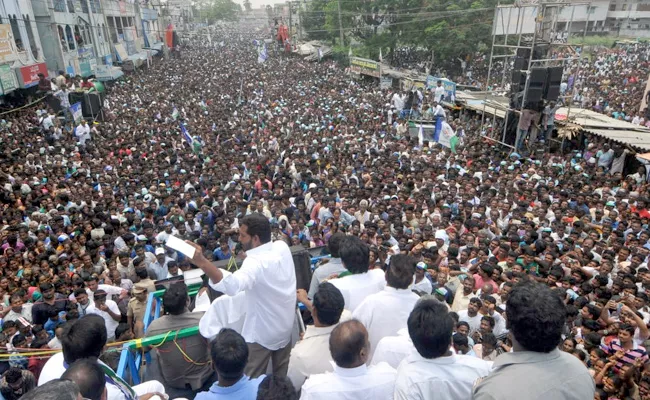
(136, 309)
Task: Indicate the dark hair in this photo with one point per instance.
(13, 374)
(346, 342)
(275, 387)
(334, 244)
(257, 225)
(430, 327)
(489, 319)
(84, 338)
(141, 273)
(329, 304)
(229, 353)
(89, 376)
(535, 316)
(460, 340)
(56, 389)
(175, 298)
(400, 271)
(355, 255)
(489, 338)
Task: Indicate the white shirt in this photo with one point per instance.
(82, 132)
(423, 286)
(355, 288)
(224, 312)
(311, 355)
(393, 349)
(111, 324)
(474, 322)
(360, 383)
(269, 278)
(385, 313)
(440, 378)
(333, 266)
(439, 93)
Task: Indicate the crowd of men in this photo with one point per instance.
(451, 273)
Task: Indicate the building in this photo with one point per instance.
(153, 28)
(605, 17)
(21, 52)
(180, 14)
(74, 35)
(123, 20)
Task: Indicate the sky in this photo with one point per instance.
(260, 3)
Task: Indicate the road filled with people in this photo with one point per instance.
(450, 273)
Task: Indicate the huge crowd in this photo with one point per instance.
(450, 273)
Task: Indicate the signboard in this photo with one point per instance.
(7, 79)
(365, 67)
(75, 110)
(7, 52)
(84, 68)
(450, 87)
(149, 14)
(70, 70)
(408, 84)
(385, 82)
(28, 76)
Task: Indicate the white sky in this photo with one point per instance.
(260, 3)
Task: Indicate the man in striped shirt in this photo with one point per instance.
(624, 347)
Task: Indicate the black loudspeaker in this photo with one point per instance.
(553, 81)
(518, 81)
(540, 51)
(520, 64)
(523, 53)
(537, 78)
(533, 97)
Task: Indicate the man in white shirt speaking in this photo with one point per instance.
(434, 371)
(269, 278)
(386, 312)
(351, 379)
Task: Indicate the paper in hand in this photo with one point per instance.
(179, 245)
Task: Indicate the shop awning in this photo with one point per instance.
(634, 138)
(109, 74)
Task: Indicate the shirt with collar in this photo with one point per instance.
(268, 277)
(558, 375)
(311, 355)
(393, 349)
(244, 389)
(384, 313)
(361, 383)
(333, 266)
(355, 288)
(440, 378)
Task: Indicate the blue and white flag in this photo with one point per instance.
(175, 113)
(263, 55)
(214, 127)
(320, 54)
(421, 136)
(186, 135)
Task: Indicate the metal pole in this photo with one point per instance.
(299, 22)
(505, 41)
(577, 72)
(341, 38)
(487, 83)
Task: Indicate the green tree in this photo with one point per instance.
(219, 10)
(247, 5)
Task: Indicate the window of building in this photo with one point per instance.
(612, 7)
(70, 37)
(18, 39)
(112, 28)
(30, 36)
(71, 6)
(59, 5)
(105, 32)
(624, 7)
(64, 43)
(84, 6)
(78, 37)
(591, 10)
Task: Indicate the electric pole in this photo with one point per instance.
(338, 4)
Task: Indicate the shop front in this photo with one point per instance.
(28, 76)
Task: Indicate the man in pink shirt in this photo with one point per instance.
(484, 276)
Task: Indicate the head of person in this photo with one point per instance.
(14, 378)
(229, 353)
(83, 338)
(57, 389)
(430, 327)
(334, 244)
(355, 255)
(276, 388)
(399, 274)
(535, 316)
(328, 304)
(349, 345)
(81, 296)
(89, 377)
(254, 231)
(175, 299)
